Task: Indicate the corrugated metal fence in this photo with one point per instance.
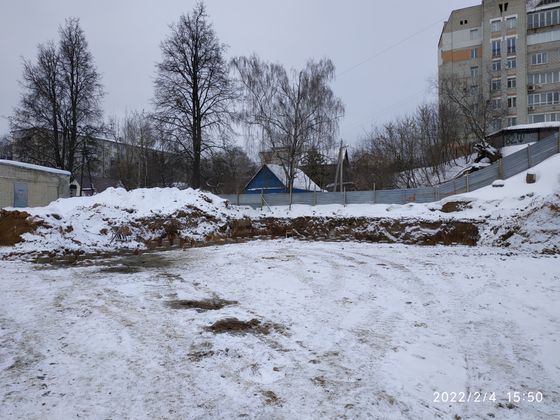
(505, 168)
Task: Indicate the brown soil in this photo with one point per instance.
(412, 232)
(455, 206)
(271, 398)
(201, 305)
(197, 356)
(15, 223)
(235, 326)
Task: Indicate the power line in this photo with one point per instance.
(383, 51)
(388, 109)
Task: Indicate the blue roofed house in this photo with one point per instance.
(271, 179)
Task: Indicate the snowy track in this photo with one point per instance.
(364, 331)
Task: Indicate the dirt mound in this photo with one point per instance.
(535, 229)
(201, 305)
(455, 206)
(235, 326)
(15, 223)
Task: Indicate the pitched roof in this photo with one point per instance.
(301, 181)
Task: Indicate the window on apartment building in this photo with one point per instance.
(511, 43)
(497, 125)
(474, 73)
(511, 63)
(512, 82)
(495, 85)
(544, 78)
(474, 34)
(539, 58)
(496, 26)
(497, 48)
(511, 23)
(541, 19)
(511, 121)
(512, 102)
(474, 52)
(549, 117)
(545, 98)
(536, 118)
(496, 104)
(497, 65)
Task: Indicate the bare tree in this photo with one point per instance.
(228, 170)
(411, 151)
(193, 91)
(290, 113)
(473, 105)
(136, 144)
(60, 107)
(5, 147)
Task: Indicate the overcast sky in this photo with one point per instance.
(385, 52)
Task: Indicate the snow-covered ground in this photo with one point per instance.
(355, 331)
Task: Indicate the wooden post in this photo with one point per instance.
(374, 194)
(467, 182)
(529, 160)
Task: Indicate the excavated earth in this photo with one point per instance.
(382, 230)
(172, 231)
(13, 224)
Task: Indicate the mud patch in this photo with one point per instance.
(121, 269)
(213, 304)
(455, 206)
(13, 224)
(235, 326)
(134, 263)
(271, 398)
(197, 356)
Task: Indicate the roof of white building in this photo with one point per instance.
(34, 167)
(534, 126)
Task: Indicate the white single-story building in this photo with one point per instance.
(26, 185)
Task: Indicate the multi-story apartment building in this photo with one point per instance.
(510, 52)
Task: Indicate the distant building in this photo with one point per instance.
(511, 51)
(271, 179)
(26, 185)
(104, 162)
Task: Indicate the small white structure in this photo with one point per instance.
(26, 185)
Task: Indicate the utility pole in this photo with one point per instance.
(339, 176)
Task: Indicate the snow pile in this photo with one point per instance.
(118, 218)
